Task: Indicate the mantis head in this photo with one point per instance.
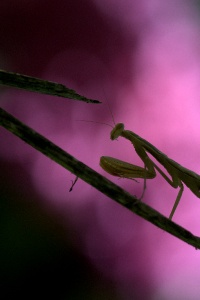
(117, 130)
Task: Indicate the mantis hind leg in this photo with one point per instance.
(151, 166)
(174, 182)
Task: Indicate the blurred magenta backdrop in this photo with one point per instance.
(143, 57)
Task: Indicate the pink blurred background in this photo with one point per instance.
(143, 57)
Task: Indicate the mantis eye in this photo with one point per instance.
(117, 130)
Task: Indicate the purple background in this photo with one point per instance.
(142, 57)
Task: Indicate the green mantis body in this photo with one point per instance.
(178, 173)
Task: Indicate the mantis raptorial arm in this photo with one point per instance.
(178, 173)
(123, 169)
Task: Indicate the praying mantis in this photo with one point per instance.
(178, 173)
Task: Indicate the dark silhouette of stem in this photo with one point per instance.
(40, 86)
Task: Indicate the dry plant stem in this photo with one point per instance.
(40, 86)
(94, 179)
